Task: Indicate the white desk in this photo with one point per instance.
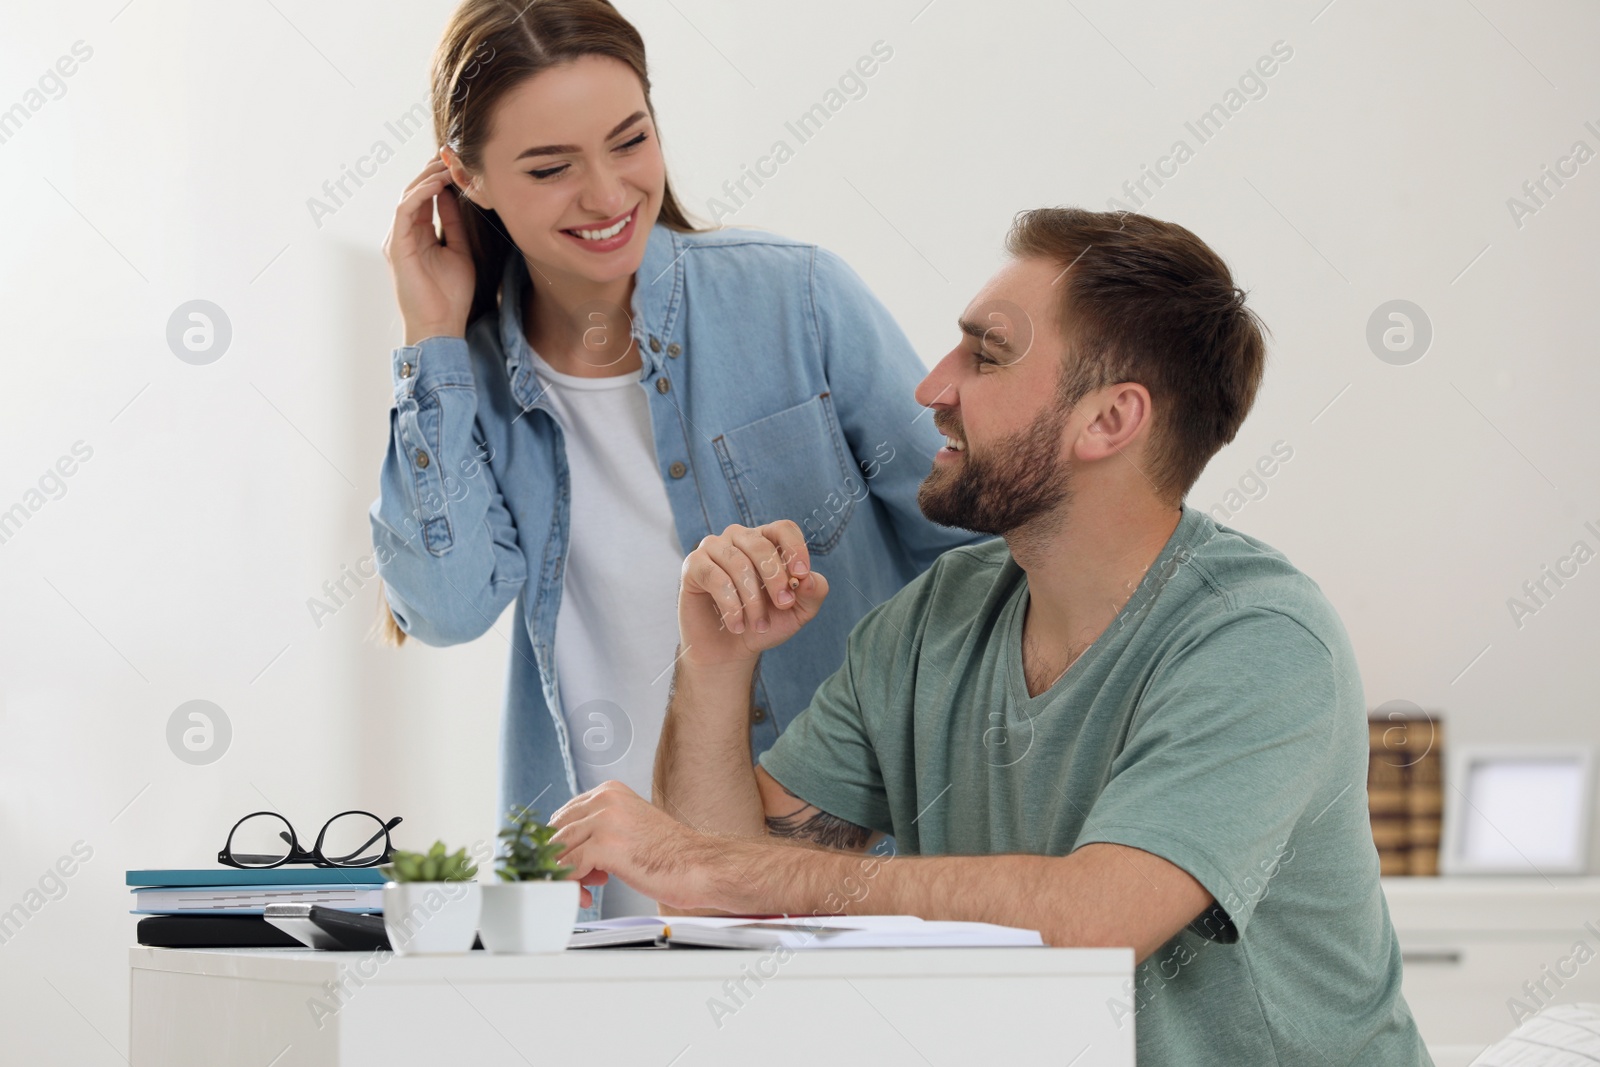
(655, 1008)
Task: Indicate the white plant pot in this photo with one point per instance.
(425, 918)
(520, 917)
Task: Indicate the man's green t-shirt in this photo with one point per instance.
(1218, 723)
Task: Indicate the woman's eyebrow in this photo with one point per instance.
(569, 149)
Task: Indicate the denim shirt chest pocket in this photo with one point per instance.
(793, 465)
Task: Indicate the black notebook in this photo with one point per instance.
(212, 931)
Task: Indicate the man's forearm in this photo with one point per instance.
(1100, 895)
(703, 774)
(774, 878)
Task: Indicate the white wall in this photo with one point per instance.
(178, 163)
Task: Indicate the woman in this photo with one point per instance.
(589, 386)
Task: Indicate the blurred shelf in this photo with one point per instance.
(1493, 905)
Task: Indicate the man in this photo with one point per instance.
(1118, 724)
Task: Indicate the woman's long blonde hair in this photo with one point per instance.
(489, 47)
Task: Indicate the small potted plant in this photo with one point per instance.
(533, 907)
(431, 903)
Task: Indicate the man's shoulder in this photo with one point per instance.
(951, 593)
(1241, 577)
(964, 572)
(980, 556)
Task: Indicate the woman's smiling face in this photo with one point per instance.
(573, 167)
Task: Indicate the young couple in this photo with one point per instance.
(1116, 722)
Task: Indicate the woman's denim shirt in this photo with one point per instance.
(779, 388)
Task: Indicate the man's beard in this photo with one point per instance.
(1018, 480)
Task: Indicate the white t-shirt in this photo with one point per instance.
(617, 627)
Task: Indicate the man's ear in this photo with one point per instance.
(465, 182)
(1119, 415)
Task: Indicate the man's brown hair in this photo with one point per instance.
(1147, 301)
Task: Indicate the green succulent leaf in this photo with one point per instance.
(434, 865)
(527, 854)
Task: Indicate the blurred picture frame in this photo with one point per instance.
(1518, 810)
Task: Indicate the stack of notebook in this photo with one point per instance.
(221, 907)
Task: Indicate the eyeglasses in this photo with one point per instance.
(349, 839)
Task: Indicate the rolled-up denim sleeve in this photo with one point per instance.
(445, 544)
(873, 372)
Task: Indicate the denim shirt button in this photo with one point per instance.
(422, 459)
(655, 344)
(663, 386)
(677, 470)
(674, 350)
(758, 714)
(405, 370)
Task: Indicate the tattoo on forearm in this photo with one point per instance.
(819, 827)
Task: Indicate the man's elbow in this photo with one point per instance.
(1105, 937)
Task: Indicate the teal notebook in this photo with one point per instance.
(221, 875)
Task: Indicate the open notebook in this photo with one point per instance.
(799, 932)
